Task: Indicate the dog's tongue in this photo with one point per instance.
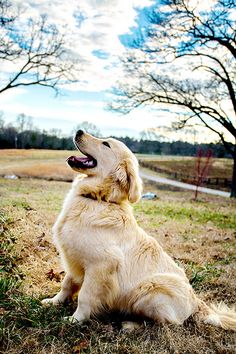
(78, 159)
(84, 161)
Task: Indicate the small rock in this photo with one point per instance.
(11, 177)
(149, 196)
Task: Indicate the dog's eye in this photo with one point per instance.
(106, 144)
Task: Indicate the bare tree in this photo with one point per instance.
(24, 122)
(88, 128)
(186, 62)
(150, 134)
(32, 51)
(202, 166)
(2, 121)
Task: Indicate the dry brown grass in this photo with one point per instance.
(205, 248)
(44, 170)
(47, 164)
(178, 164)
(51, 164)
(204, 241)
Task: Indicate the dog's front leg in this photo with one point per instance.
(68, 288)
(100, 288)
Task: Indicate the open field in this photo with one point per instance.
(218, 167)
(200, 235)
(218, 175)
(50, 164)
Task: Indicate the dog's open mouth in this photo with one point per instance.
(82, 162)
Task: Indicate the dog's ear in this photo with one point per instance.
(129, 180)
(134, 181)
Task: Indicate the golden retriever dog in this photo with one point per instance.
(108, 259)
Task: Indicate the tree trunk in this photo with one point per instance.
(233, 189)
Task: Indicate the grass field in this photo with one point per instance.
(199, 235)
(218, 167)
(218, 171)
(51, 164)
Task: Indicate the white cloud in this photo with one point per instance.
(102, 21)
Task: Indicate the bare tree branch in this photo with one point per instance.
(182, 39)
(36, 49)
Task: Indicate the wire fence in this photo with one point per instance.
(187, 177)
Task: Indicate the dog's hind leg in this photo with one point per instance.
(68, 288)
(164, 298)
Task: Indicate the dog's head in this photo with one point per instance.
(111, 164)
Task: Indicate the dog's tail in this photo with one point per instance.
(217, 315)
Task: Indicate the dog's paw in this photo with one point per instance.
(129, 326)
(48, 302)
(70, 319)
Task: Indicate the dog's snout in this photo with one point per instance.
(79, 133)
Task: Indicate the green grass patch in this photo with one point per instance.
(8, 259)
(22, 203)
(199, 213)
(198, 275)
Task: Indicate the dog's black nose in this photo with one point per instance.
(79, 133)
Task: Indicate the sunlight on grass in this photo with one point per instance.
(199, 213)
(29, 208)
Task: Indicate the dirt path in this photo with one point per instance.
(178, 184)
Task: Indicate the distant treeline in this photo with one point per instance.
(178, 148)
(11, 138)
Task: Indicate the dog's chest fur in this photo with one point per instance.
(88, 230)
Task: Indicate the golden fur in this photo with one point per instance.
(109, 260)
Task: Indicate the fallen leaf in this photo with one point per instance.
(53, 275)
(81, 346)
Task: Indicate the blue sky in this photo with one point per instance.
(99, 31)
